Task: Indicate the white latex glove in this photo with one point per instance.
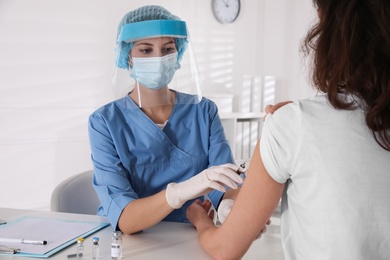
(215, 177)
(224, 209)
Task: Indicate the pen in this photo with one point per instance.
(9, 250)
(23, 241)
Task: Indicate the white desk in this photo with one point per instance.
(167, 240)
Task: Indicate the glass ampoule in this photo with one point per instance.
(116, 245)
(95, 248)
(80, 248)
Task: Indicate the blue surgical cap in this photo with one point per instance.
(145, 13)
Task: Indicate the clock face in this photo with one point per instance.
(226, 11)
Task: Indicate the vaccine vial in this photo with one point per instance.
(116, 245)
(80, 248)
(95, 248)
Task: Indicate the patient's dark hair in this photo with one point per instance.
(351, 54)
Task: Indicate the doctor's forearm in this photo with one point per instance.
(144, 213)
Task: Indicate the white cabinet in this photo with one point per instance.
(242, 131)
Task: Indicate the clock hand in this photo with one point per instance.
(226, 4)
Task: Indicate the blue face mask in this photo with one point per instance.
(154, 72)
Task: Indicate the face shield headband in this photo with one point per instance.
(149, 29)
(154, 28)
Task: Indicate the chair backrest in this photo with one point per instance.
(75, 195)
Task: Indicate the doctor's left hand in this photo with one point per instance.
(270, 109)
(215, 177)
(224, 209)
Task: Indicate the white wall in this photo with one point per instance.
(56, 58)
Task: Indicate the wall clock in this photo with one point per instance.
(226, 11)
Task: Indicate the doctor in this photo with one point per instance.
(161, 145)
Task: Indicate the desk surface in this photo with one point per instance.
(167, 240)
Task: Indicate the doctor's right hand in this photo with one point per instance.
(215, 177)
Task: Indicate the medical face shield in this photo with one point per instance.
(155, 63)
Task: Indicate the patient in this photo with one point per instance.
(327, 157)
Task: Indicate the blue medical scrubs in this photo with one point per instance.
(133, 158)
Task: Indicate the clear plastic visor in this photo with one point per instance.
(156, 65)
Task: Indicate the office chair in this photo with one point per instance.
(75, 195)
